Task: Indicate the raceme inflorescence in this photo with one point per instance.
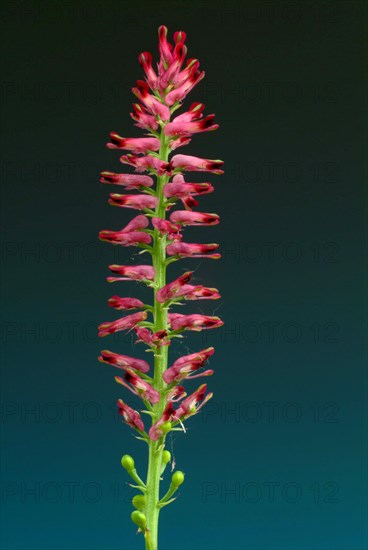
(165, 201)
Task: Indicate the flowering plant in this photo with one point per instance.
(164, 398)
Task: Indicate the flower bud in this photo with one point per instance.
(166, 457)
(139, 501)
(127, 462)
(139, 519)
(177, 479)
(165, 427)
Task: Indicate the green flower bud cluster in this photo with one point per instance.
(138, 501)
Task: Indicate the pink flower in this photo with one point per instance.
(194, 322)
(125, 238)
(125, 303)
(143, 119)
(168, 77)
(164, 46)
(129, 181)
(167, 228)
(178, 188)
(185, 81)
(171, 290)
(178, 128)
(191, 405)
(185, 76)
(138, 222)
(196, 164)
(194, 113)
(194, 218)
(196, 292)
(183, 367)
(137, 145)
(132, 272)
(137, 202)
(175, 394)
(152, 104)
(138, 386)
(155, 431)
(177, 375)
(124, 323)
(145, 59)
(152, 338)
(178, 289)
(130, 234)
(150, 163)
(123, 361)
(179, 142)
(197, 358)
(171, 59)
(131, 417)
(192, 250)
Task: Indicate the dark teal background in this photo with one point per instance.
(277, 460)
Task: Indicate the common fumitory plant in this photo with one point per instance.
(158, 231)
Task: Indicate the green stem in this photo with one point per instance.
(152, 508)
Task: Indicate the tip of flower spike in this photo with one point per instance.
(162, 30)
(145, 57)
(180, 36)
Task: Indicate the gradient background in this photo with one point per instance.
(277, 460)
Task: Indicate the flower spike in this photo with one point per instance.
(159, 189)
